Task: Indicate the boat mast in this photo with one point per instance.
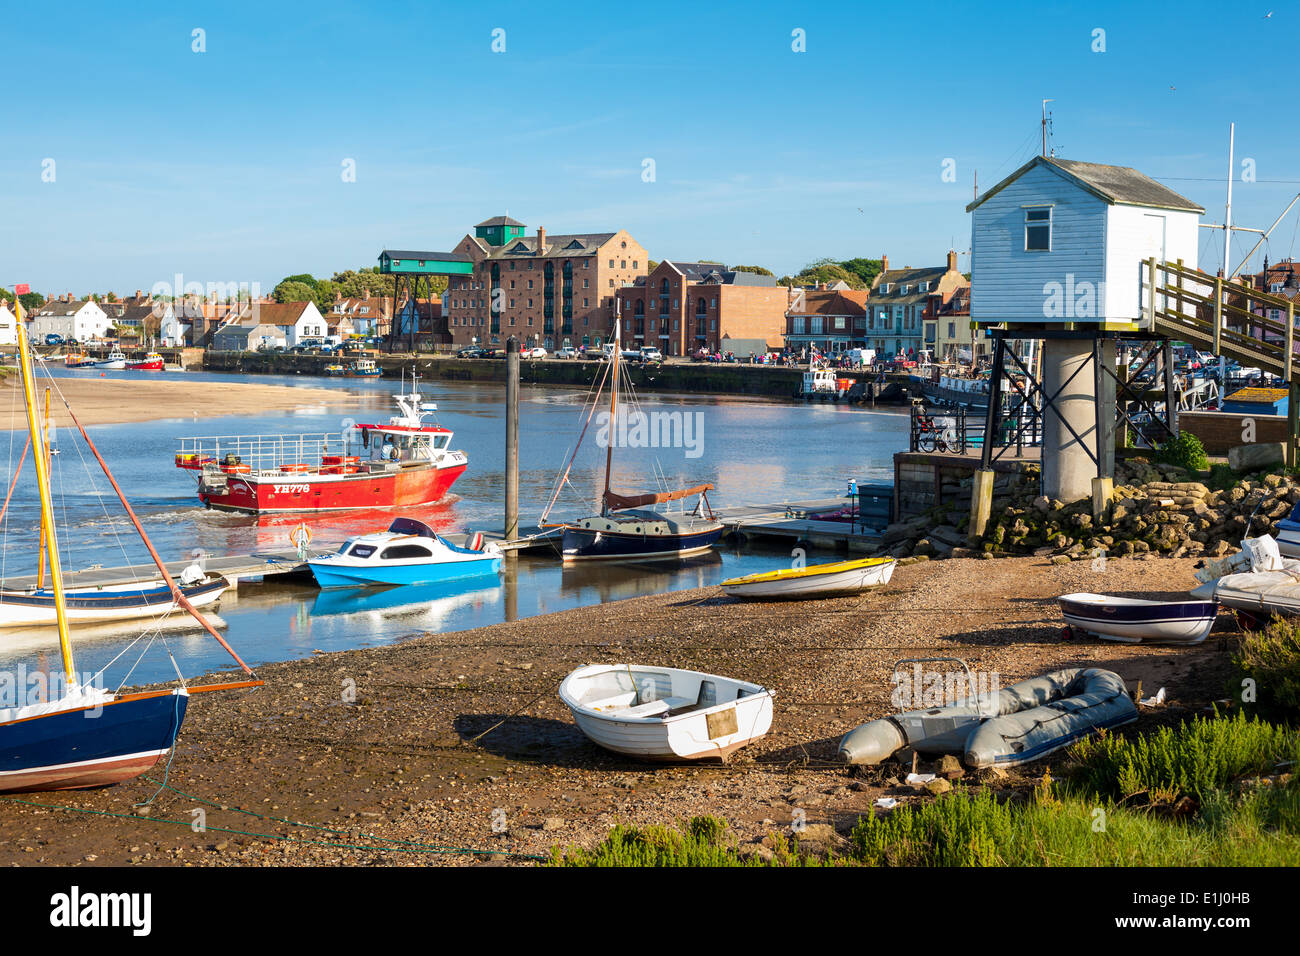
(41, 459)
(40, 564)
(613, 408)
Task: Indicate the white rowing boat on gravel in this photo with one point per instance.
(1135, 620)
(662, 713)
(819, 580)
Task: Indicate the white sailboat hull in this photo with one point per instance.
(671, 715)
(120, 603)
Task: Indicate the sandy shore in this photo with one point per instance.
(459, 739)
(108, 401)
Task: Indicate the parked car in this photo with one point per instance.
(535, 352)
(472, 351)
(566, 352)
(53, 338)
(651, 354)
(593, 352)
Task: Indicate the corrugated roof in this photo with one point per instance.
(404, 254)
(1115, 184)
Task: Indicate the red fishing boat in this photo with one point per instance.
(153, 362)
(403, 463)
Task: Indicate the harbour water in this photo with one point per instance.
(752, 450)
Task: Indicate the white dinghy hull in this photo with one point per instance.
(1134, 621)
(663, 713)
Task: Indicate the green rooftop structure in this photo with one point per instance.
(414, 262)
(414, 271)
(499, 230)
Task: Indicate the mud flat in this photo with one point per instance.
(111, 401)
(458, 740)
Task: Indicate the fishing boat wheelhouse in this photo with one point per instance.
(402, 463)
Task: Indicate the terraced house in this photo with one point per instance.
(549, 290)
(902, 300)
(829, 320)
(683, 307)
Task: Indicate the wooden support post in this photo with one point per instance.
(1218, 314)
(1292, 421)
(512, 439)
(1151, 294)
(1103, 490)
(1290, 340)
(981, 502)
(1171, 394)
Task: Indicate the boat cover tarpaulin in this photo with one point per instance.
(617, 502)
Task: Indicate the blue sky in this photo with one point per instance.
(225, 166)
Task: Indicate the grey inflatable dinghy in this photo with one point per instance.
(1020, 723)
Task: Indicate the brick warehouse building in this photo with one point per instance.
(684, 306)
(549, 290)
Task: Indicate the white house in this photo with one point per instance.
(171, 330)
(298, 320)
(1062, 241)
(82, 320)
(8, 326)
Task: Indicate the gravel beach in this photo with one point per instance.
(458, 740)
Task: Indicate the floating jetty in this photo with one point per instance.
(258, 566)
(790, 520)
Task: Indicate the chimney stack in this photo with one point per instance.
(139, 294)
(884, 264)
(952, 260)
(541, 240)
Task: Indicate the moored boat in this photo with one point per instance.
(1134, 620)
(116, 360)
(818, 580)
(403, 463)
(408, 553)
(663, 713)
(1015, 725)
(153, 362)
(81, 735)
(625, 529)
(124, 602)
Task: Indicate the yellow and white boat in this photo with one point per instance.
(819, 580)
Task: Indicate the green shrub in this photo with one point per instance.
(701, 841)
(1184, 450)
(1198, 757)
(1271, 660)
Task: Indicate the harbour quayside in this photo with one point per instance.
(403, 463)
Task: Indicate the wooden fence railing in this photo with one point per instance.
(1228, 318)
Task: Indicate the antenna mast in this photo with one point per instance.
(1044, 125)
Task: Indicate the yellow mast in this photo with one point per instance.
(47, 511)
(45, 446)
(613, 410)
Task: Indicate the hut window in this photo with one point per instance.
(1038, 229)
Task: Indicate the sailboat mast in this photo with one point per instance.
(41, 460)
(40, 566)
(613, 409)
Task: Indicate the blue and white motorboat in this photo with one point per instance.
(409, 552)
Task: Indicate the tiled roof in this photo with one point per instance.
(896, 279)
(557, 247)
(62, 308)
(499, 221)
(832, 303)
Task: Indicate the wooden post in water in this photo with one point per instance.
(512, 439)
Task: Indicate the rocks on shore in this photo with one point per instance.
(1156, 509)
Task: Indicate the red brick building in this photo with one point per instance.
(682, 307)
(549, 290)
